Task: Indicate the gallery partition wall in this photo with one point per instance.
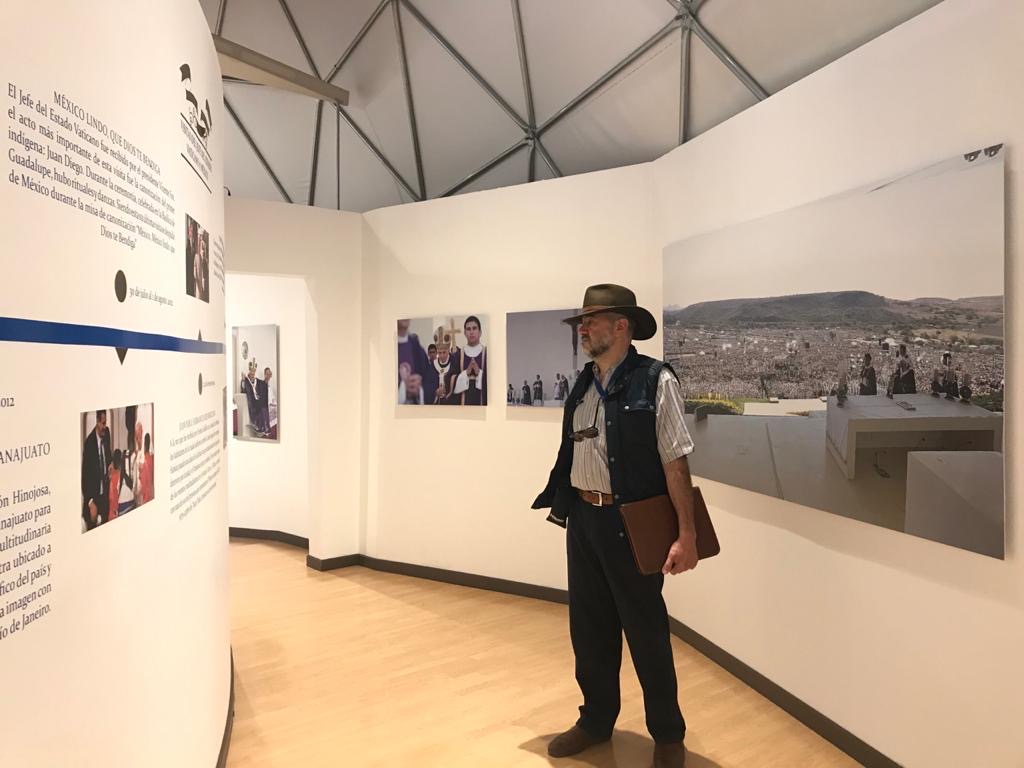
(887, 635)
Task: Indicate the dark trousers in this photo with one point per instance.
(607, 595)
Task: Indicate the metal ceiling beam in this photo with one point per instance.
(377, 153)
(221, 10)
(610, 74)
(524, 67)
(461, 60)
(299, 38)
(684, 83)
(727, 58)
(549, 161)
(256, 150)
(251, 66)
(486, 167)
(316, 152)
(403, 56)
(357, 40)
(531, 168)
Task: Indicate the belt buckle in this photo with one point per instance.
(600, 499)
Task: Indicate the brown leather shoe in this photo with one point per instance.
(572, 742)
(669, 755)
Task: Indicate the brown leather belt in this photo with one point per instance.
(596, 498)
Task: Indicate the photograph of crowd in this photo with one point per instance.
(442, 360)
(256, 414)
(117, 462)
(197, 260)
(860, 330)
(543, 358)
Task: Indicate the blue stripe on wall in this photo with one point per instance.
(43, 332)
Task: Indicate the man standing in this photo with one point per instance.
(868, 382)
(269, 396)
(471, 362)
(251, 390)
(96, 458)
(623, 440)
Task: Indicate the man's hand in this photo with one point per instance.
(682, 555)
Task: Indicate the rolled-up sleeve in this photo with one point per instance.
(673, 437)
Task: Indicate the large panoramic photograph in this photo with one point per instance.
(848, 354)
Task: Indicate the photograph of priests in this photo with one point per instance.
(433, 367)
(471, 362)
(614, 451)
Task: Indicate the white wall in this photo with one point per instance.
(265, 495)
(913, 646)
(324, 248)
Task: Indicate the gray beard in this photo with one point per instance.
(597, 349)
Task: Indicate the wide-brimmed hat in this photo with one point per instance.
(608, 297)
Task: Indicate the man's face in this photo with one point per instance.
(443, 355)
(597, 333)
(101, 423)
(252, 375)
(267, 375)
(432, 354)
(138, 435)
(403, 327)
(472, 333)
(413, 384)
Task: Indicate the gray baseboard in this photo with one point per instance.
(828, 729)
(229, 721)
(279, 536)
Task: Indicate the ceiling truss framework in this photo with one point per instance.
(685, 22)
(406, 86)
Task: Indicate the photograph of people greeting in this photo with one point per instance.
(117, 462)
(257, 411)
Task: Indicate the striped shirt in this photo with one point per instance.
(590, 457)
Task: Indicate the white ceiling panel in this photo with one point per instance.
(243, 174)
(513, 170)
(460, 126)
(365, 182)
(329, 27)
(262, 26)
(633, 119)
(805, 34)
(715, 93)
(373, 76)
(281, 125)
(483, 31)
(571, 43)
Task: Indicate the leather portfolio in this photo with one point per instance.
(652, 526)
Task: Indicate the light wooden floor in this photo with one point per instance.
(358, 668)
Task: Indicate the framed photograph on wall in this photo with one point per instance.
(442, 360)
(257, 409)
(849, 355)
(543, 358)
(117, 462)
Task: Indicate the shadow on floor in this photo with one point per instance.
(625, 750)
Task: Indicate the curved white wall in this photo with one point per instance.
(131, 665)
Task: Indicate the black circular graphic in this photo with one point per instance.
(120, 286)
(200, 383)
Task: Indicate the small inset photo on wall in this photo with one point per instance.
(442, 360)
(256, 355)
(197, 260)
(543, 358)
(117, 462)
